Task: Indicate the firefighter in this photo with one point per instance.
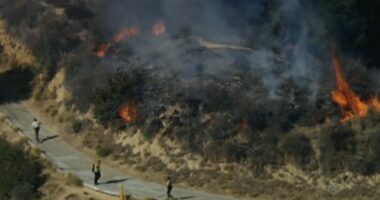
(96, 170)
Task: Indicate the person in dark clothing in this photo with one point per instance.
(169, 186)
(96, 170)
(36, 126)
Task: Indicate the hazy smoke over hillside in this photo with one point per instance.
(286, 36)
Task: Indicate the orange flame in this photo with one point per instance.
(244, 123)
(102, 51)
(128, 111)
(158, 28)
(123, 34)
(375, 103)
(127, 33)
(348, 101)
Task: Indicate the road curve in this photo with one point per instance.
(66, 158)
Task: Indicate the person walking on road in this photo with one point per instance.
(169, 186)
(36, 126)
(96, 170)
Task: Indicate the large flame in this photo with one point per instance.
(124, 34)
(128, 111)
(158, 28)
(348, 101)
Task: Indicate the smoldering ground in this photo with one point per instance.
(289, 30)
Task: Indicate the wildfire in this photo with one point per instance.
(159, 28)
(103, 48)
(128, 111)
(123, 34)
(244, 124)
(375, 103)
(348, 101)
(128, 33)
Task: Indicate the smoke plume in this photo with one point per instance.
(286, 37)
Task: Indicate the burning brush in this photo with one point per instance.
(126, 34)
(348, 101)
(128, 111)
(123, 34)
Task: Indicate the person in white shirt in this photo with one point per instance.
(36, 125)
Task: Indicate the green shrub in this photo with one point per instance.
(123, 86)
(18, 171)
(73, 180)
(23, 191)
(77, 126)
(104, 151)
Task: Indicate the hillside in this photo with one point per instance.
(233, 97)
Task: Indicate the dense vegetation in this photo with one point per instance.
(20, 173)
(227, 118)
(222, 123)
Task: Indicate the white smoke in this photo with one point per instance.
(299, 41)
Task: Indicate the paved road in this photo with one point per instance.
(69, 159)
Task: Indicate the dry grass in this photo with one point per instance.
(22, 141)
(14, 53)
(221, 180)
(73, 180)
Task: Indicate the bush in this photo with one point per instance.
(217, 152)
(217, 98)
(77, 126)
(367, 159)
(121, 87)
(338, 147)
(263, 156)
(24, 191)
(152, 128)
(73, 180)
(104, 151)
(18, 171)
(22, 141)
(297, 149)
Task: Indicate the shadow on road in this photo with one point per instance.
(114, 181)
(48, 138)
(15, 85)
(187, 197)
